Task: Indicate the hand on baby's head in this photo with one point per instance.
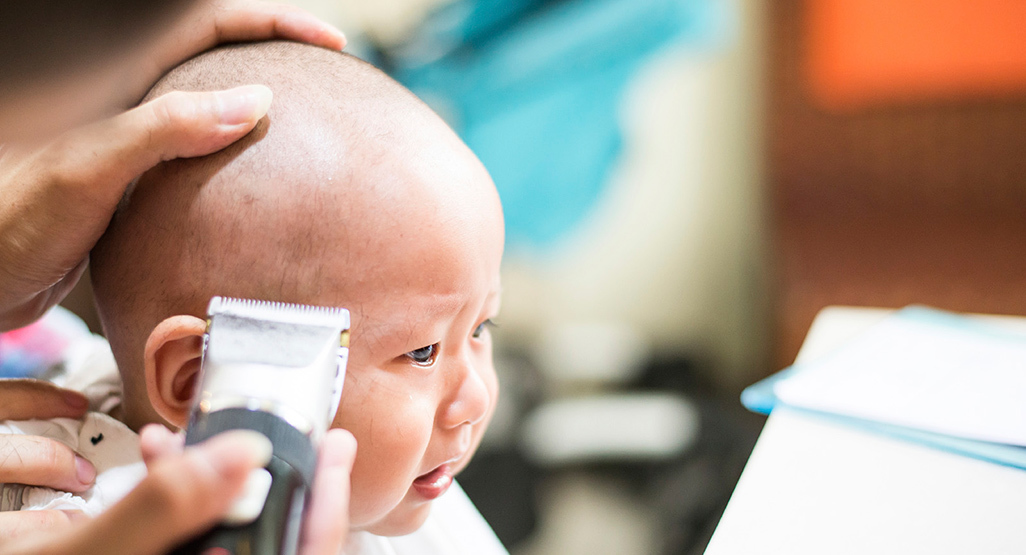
(351, 193)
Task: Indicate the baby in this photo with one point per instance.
(351, 193)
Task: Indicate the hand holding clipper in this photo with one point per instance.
(276, 369)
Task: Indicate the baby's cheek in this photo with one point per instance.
(392, 434)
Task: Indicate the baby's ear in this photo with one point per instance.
(172, 366)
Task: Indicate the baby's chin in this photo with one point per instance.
(406, 518)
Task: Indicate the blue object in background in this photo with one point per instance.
(534, 87)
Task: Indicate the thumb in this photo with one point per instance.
(182, 495)
(327, 519)
(176, 125)
(186, 124)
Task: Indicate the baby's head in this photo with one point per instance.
(351, 193)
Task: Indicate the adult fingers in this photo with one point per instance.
(24, 399)
(327, 522)
(69, 188)
(241, 20)
(176, 125)
(19, 523)
(182, 495)
(221, 21)
(156, 442)
(41, 461)
(218, 22)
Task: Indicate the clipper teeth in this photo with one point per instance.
(285, 312)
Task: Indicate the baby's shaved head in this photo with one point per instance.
(345, 163)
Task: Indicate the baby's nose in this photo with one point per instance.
(469, 402)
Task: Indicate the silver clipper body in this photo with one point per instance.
(277, 369)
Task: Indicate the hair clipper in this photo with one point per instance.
(276, 369)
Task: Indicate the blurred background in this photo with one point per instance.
(686, 184)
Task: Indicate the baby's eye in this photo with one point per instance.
(424, 355)
(481, 328)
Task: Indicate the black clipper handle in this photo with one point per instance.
(276, 531)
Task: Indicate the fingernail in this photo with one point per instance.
(339, 35)
(257, 446)
(75, 400)
(156, 435)
(329, 28)
(157, 431)
(84, 471)
(303, 19)
(338, 448)
(243, 104)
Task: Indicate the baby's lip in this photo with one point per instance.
(436, 481)
(433, 484)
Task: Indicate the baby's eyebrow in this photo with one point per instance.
(435, 306)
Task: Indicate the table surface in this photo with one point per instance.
(812, 486)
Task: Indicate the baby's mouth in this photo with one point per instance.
(433, 484)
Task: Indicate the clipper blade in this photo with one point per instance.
(283, 358)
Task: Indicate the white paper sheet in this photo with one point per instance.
(922, 369)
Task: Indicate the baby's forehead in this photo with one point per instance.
(410, 261)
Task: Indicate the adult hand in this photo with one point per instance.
(57, 198)
(187, 491)
(211, 23)
(39, 461)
